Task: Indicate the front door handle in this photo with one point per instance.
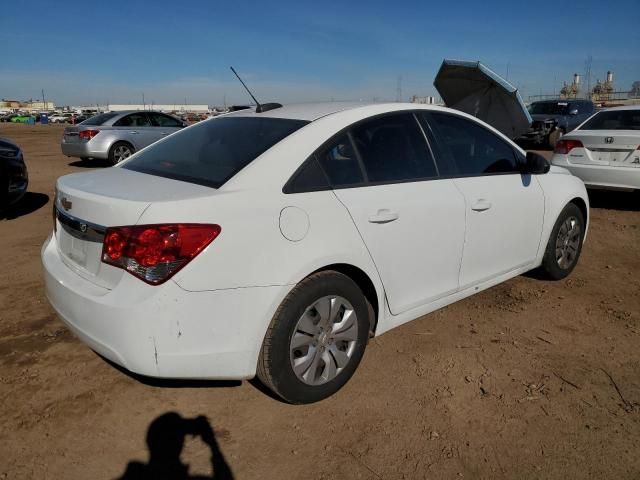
(480, 205)
(133, 132)
(383, 216)
(164, 134)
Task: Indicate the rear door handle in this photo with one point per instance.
(481, 205)
(164, 133)
(383, 216)
(134, 132)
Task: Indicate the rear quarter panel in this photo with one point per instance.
(251, 249)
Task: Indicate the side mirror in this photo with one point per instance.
(573, 112)
(535, 164)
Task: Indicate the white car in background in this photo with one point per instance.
(277, 242)
(61, 117)
(605, 150)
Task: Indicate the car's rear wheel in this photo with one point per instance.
(120, 151)
(316, 339)
(565, 243)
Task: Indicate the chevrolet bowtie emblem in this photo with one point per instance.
(66, 204)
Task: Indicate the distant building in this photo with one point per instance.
(428, 100)
(29, 106)
(162, 107)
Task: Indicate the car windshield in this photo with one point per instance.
(97, 119)
(549, 108)
(614, 120)
(211, 152)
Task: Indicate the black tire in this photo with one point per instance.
(114, 157)
(275, 369)
(555, 266)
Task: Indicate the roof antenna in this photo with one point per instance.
(259, 107)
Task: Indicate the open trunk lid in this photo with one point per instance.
(87, 203)
(473, 88)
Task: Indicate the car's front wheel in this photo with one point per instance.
(316, 338)
(565, 243)
(119, 152)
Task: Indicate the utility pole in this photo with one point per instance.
(399, 89)
(587, 75)
(44, 105)
(144, 107)
(507, 77)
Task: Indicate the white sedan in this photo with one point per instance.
(605, 150)
(276, 243)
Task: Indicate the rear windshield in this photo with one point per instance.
(211, 152)
(99, 119)
(614, 120)
(549, 108)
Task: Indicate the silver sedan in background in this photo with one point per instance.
(115, 136)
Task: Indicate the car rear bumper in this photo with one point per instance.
(627, 178)
(163, 331)
(83, 150)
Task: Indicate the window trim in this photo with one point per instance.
(288, 186)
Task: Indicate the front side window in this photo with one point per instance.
(211, 152)
(160, 120)
(99, 119)
(614, 120)
(393, 148)
(133, 120)
(340, 163)
(474, 149)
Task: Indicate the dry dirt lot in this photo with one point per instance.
(530, 379)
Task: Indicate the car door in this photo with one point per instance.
(163, 125)
(504, 209)
(411, 221)
(136, 129)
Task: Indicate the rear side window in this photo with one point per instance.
(211, 152)
(340, 162)
(99, 119)
(310, 178)
(393, 148)
(614, 120)
(133, 120)
(474, 149)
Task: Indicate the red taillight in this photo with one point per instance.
(154, 253)
(565, 146)
(88, 134)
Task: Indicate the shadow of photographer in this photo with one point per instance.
(165, 440)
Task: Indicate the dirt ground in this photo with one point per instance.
(530, 379)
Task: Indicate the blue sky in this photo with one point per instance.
(113, 51)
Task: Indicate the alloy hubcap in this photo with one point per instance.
(121, 153)
(324, 340)
(568, 242)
